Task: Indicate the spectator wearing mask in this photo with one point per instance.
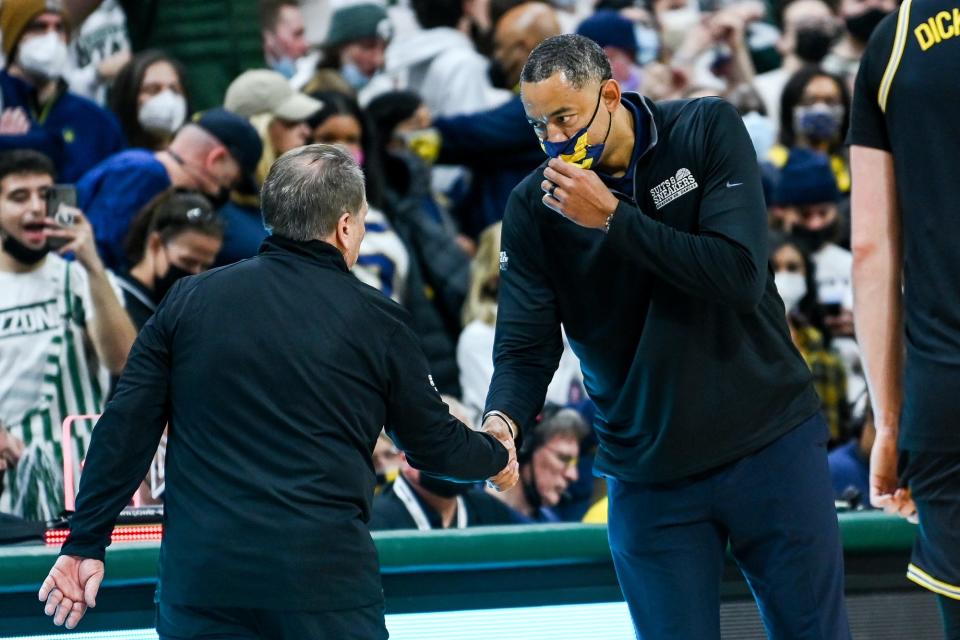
(496, 145)
(177, 234)
(805, 207)
(209, 155)
(51, 311)
(100, 48)
(548, 464)
(418, 500)
(814, 113)
(285, 46)
(79, 132)
(809, 29)
(384, 262)
(860, 17)
(354, 49)
(850, 462)
(617, 37)
(795, 277)
(475, 345)
(440, 63)
(279, 114)
(386, 459)
(149, 98)
(408, 253)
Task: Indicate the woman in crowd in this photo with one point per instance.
(796, 283)
(176, 234)
(391, 256)
(150, 100)
(815, 115)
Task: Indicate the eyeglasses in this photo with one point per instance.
(568, 461)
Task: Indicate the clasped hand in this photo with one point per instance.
(510, 474)
(577, 194)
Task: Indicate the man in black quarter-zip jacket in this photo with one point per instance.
(276, 374)
(645, 236)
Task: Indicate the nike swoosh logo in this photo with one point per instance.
(733, 184)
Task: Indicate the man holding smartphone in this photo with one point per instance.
(50, 310)
(645, 236)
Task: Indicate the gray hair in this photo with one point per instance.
(308, 189)
(579, 59)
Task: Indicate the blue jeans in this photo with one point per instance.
(773, 507)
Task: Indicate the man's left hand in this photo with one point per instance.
(78, 238)
(577, 194)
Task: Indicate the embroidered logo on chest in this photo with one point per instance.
(672, 188)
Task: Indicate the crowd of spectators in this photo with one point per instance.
(167, 116)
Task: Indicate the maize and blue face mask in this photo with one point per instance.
(576, 150)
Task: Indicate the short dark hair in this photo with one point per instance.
(270, 12)
(437, 13)
(579, 59)
(170, 214)
(308, 189)
(25, 161)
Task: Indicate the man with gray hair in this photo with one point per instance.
(276, 374)
(645, 235)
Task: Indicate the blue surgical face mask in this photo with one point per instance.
(353, 76)
(648, 44)
(285, 66)
(576, 149)
(819, 122)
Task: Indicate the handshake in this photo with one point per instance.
(496, 425)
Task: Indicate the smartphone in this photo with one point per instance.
(56, 195)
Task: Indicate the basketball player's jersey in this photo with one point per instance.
(907, 102)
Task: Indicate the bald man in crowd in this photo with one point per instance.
(497, 145)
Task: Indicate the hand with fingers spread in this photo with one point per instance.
(71, 587)
(510, 474)
(577, 194)
(77, 237)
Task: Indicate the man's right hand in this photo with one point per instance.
(885, 490)
(510, 474)
(71, 587)
(11, 448)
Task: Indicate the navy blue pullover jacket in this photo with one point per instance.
(674, 314)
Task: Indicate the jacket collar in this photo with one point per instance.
(318, 250)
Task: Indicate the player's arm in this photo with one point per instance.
(876, 240)
(528, 343)
(877, 243)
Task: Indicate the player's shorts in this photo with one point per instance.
(934, 482)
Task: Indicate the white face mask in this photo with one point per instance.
(43, 56)
(676, 23)
(163, 113)
(791, 286)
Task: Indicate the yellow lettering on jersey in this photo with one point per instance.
(938, 28)
(944, 32)
(924, 36)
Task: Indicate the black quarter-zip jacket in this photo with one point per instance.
(674, 313)
(275, 374)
